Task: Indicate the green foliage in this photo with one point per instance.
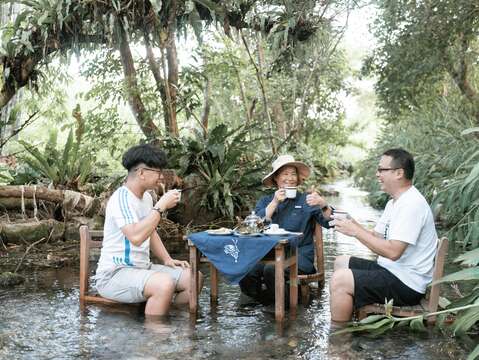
(474, 354)
(5, 175)
(228, 164)
(67, 167)
(108, 121)
(421, 46)
(446, 163)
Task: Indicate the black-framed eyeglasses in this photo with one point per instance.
(147, 168)
(380, 169)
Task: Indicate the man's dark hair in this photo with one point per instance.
(402, 159)
(146, 154)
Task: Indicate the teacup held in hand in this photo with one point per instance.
(338, 214)
(290, 192)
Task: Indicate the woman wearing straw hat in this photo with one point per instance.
(297, 213)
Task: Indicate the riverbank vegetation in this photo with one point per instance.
(427, 85)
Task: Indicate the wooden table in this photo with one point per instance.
(281, 255)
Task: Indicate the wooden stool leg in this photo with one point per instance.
(214, 284)
(279, 282)
(305, 293)
(293, 283)
(193, 279)
(85, 239)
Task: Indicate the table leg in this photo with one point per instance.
(193, 279)
(293, 283)
(279, 282)
(214, 284)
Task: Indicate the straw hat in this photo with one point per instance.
(283, 160)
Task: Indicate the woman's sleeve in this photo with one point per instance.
(261, 205)
(320, 219)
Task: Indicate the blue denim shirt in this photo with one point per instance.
(296, 215)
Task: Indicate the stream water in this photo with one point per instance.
(41, 319)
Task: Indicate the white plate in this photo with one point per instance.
(219, 232)
(277, 232)
(253, 234)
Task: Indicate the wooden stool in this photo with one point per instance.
(426, 306)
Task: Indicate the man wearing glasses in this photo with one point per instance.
(124, 272)
(404, 239)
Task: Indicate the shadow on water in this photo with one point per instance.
(42, 320)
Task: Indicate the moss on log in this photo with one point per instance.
(31, 231)
(8, 279)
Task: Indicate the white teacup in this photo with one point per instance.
(338, 214)
(290, 192)
(274, 228)
(179, 192)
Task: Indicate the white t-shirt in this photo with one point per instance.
(409, 219)
(123, 208)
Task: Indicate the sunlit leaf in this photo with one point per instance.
(469, 257)
(470, 131)
(365, 327)
(417, 324)
(466, 274)
(475, 354)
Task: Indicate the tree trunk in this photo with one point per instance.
(171, 56)
(280, 120)
(242, 92)
(259, 77)
(206, 107)
(147, 126)
(159, 80)
(170, 71)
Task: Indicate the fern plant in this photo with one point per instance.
(68, 167)
(228, 163)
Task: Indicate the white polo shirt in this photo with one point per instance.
(409, 219)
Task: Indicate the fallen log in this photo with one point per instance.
(11, 203)
(70, 200)
(30, 231)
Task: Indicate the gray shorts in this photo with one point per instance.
(126, 284)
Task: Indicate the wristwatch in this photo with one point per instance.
(159, 210)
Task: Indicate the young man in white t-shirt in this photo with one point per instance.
(405, 239)
(124, 272)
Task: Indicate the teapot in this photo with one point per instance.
(251, 224)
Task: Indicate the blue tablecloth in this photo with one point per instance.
(234, 256)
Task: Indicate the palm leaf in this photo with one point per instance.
(39, 162)
(466, 274)
(474, 354)
(469, 258)
(63, 167)
(466, 320)
(366, 327)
